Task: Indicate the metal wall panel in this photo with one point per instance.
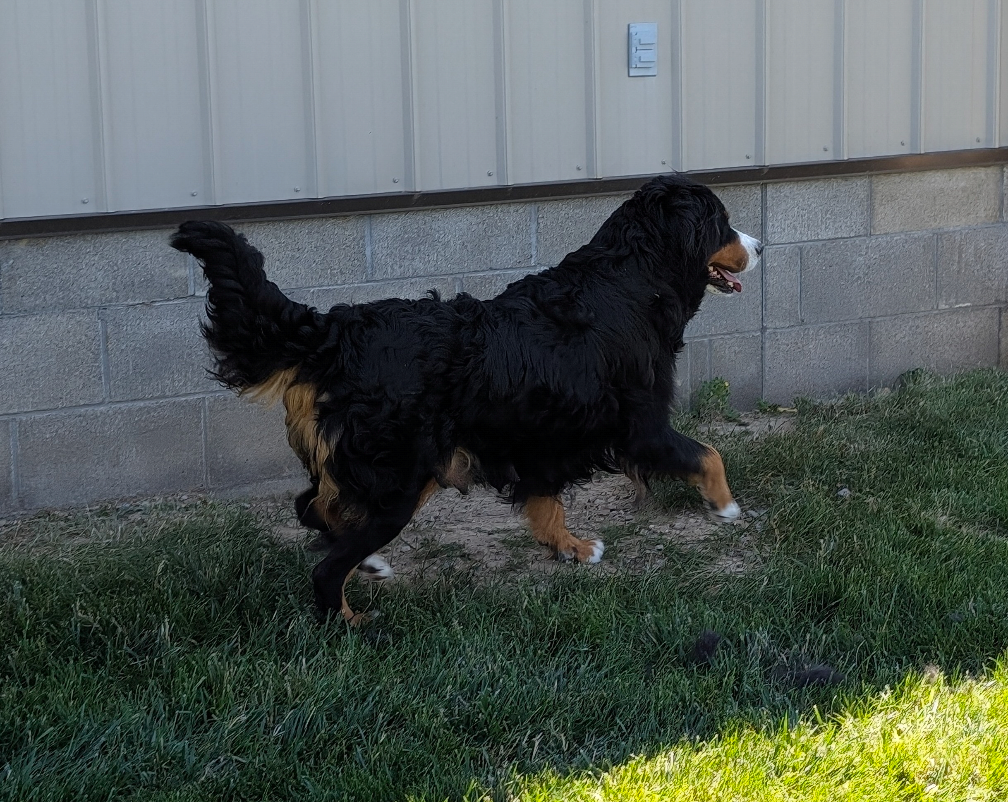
(454, 93)
(153, 122)
(260, 99)
(637, 125)
(545, 84)
(800, 80)
(957, 87)
(1002, 99)
(49, 148)
(359, 88)
(880, 76)
(719, 67)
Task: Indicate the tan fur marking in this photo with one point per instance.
(711, 482)
(733, 257)
(546, 519)
(459, 472)
(273, 389)
(425, 494)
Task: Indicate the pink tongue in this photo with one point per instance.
(736, 285)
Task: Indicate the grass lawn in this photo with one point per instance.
(187, 663)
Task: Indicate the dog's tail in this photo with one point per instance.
(257, 334)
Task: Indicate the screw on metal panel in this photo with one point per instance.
(663, 161)
(297, 189)
(395, 180)
(978, 139)
(902, 142)
(748, 156)
(825, 148)
(489, 172)
(193, 194)
(84, 200)
(579, 167)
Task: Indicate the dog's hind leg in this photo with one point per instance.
(546, 518)
(697, 463)
(354, 544)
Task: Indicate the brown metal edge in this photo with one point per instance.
(405, 201)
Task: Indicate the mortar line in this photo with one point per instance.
(15, 477)
(103, 357)
(934, 263)
(369, 270)
(534, 228)
(204, 426)
(763, 288)
(98, 406)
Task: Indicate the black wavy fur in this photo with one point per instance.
(565, 373)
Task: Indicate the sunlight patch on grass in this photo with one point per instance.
(931, 739)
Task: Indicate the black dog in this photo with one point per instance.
(565, 373)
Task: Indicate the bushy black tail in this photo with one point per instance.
(254, 330)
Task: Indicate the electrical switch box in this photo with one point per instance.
(643, 49)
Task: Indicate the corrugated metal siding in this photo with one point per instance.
(719, 98)
(880, 77)
(957, 74)
(138, 104)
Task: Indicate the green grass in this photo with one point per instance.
(187, 663)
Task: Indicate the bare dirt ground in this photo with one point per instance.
(474, 533)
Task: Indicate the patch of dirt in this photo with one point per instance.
(479, 533)
(453, 531)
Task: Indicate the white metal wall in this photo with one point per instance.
(109, 105)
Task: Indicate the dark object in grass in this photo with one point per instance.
(567, 372)
(703, 651)
(815, 674)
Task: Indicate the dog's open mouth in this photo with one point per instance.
(721, 280)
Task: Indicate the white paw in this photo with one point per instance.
(598, 547)
(375, 568)
(729, 512)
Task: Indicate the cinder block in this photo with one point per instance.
(7, 500)
(88, 455)
(781, 286)
(322, 298)
(693, 369)
(830, 208)
(320, 252)
(247, 444)
(1003, 356)
(935, 199)
(866, 277)
(157, 351)
(563, 226)
(728, 314)
(90, 270)
(744, 203)
(815, 361)
(448, 241)
(446, 286)
(50, 361)
(739, 360)
(490, 285)
(973, 267)
(945, 342)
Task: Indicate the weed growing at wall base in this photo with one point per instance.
(187, 663)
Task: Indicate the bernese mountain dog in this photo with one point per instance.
(567, 372)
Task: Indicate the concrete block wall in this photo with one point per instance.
(104, 391)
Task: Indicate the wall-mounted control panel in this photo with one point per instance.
(643, 49)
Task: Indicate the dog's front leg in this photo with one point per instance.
(546, 518)
(697, 463)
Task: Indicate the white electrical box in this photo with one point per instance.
(643, 49)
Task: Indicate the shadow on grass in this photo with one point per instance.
(190, 665)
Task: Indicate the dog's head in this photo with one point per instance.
(692, 227)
